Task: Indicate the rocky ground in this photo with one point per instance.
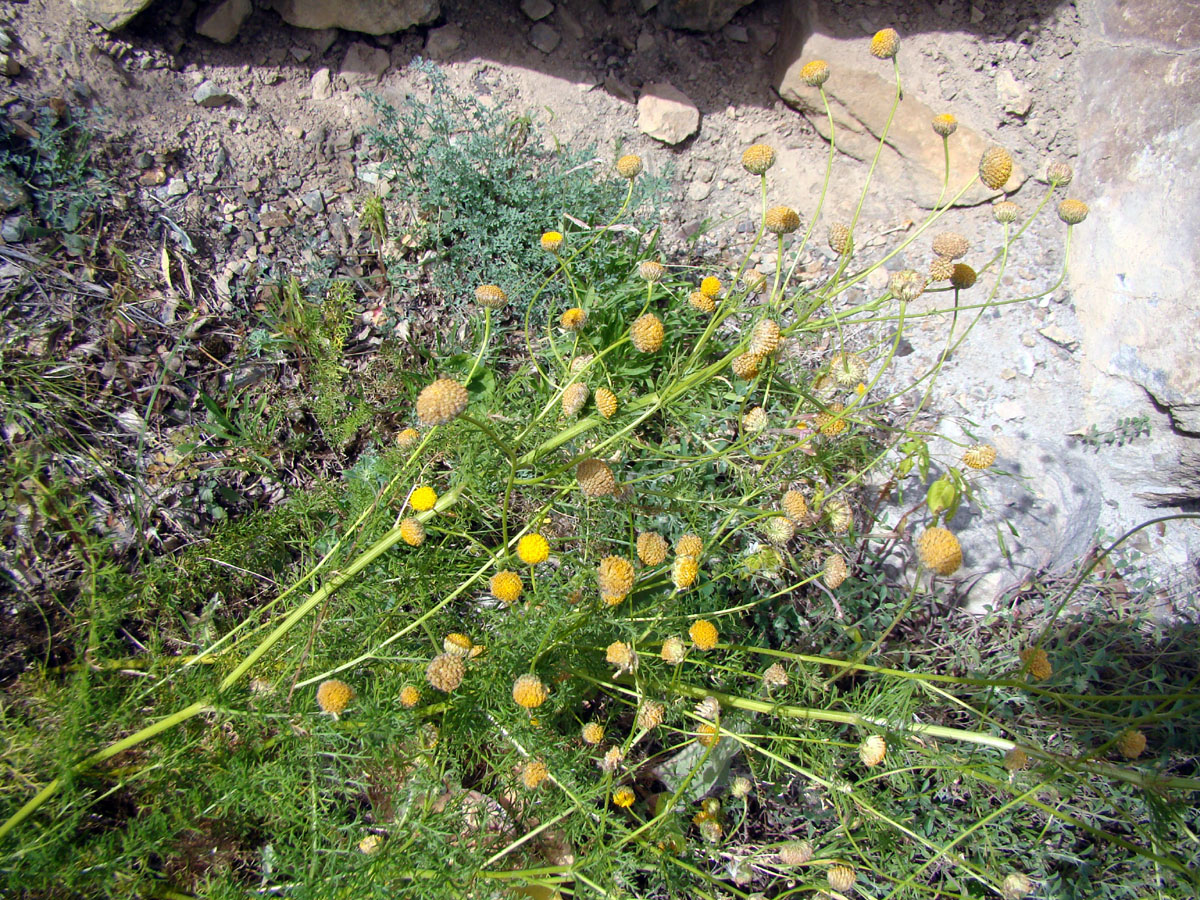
(239, 142)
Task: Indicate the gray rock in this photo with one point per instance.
(13, 229)
(12, 192)
(321, 85)
(209, 95)
(315, 201)
(567, 22)
(177, 187)
(110, 15)
(222, 22)
(699, 190)
(544, 37)
(666, 114)
(737, 33)
(363, 63)
(367, 16)
(699, 15)
(442, 43)
(537, 9)
(1014, 96)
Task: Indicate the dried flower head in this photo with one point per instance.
(573, 399)
(872, 750)
(764, 338)
(407, 437)
(673, 651)
(593, 733)
(754, 281)
(1005, 212)
(907, 285)
(613, 757)
(684, 571)
(441, 402)
(945, 124)
(703, 634)
(551, 241)
(573, 319)
(794, 506)
(701, 301)
(1059, 173)
(979, 456)
(506, 586)
(829, 421)
(614, 576)
(581, 362)
(595, 478)
(629, 166)
(651, 270)
(885, 44)
(951, 245)
(647, 333)
(534, 773)
(1016, 759)
(782, 220)
(457, 644)
(621, 655)
(839, 515)
(841, 878)
(835, 571)
(941, 269)
(775, 676)
(409, 696)
(740, 787)
(841, 239)
(334, 696)
(606, 402)
(754, 421)
(691, 544)
(412, 532)
(963, 277)
(445, 672)
(623, 797)
(1072, 211)
(995, 167)
(708, 708)
(651, 548)
(1131, 743)
(533, 549)
(1015, 886)
(747, 365)
(710, 286)
(779, 529)
(651, 715)
(815, 73)
(847, 369)
(1037, 662)
(757, 158)
(490, 296)
(529, 692)
(708, 735)
(939, 550)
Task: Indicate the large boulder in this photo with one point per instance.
(367, 16)
(111, 15)
(861, 91)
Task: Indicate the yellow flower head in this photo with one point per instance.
(409, 696)
(995, 167)
(457, 644)
(412, 532)
(690, 545)
(606, 402)
(754, 281)
(764, 338)
(1131, 743)
(829, 420)
(963, 277)
(441, 402)
(945, 124)
(614, 576)
(841, 239)
(529, 692)
(621, 655)
(839, 515)
(710, 286)
(815, 73)
(593, 733)
(534, 773)
(623, 797)
(573, 319)
(701, 301)
(533, 549)
(445, 672)
(506, 586)
(629, 166)
(647, 333)
(708, 735)
(651, 548)
(1038, 663)
(490, 296)
(334, 696)
(781, 220)
(794, 506)
(885, 44)
(551, 241)
(406, 438)
(1015, 886)
(951, 245)
(423, 498)
(758, 158)
(939, 550)
(684, 571)
(747, 366)
(1072, 211)
(872, 750)
(595, 478)
(703, 634)
(979, 456)
(941, 269)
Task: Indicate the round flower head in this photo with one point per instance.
(815, 73)
(673, 651)
(939, 550)
(334, 696)
(701, 301)
(573, 399)
(595, 478)
(951, 245)
(409, 696)
(747, 365)
(995, 167)
(441, 402)
(709, 708)
(690, 545)
(506, 586)
(754, 421)
(1059, 174)
(579, 363)
(708, 735)
(651, 548)
(684, 570)
(1072, 211)
(457, 644)
(407, 438)
(606, 402)
(534, 773)
(593, 733)
(829, 421)
(1131, 743)
(445, 672)
(885, 44)
(533, 549)
(612, 759)
(841, 878)
(710, 286)
(754, 281)
(834, 572)
(1005, 212)
(652, 271)
(647, 333)
(764, 339)
(940, 269)
(370, 844)
(841, 240)
(775, 676)
(779, 529)
(963, 277)
(945, 124)
(703, 634)
(490, 296)
(907, 285)
(757, 158)
(872, 750)
(782, 220)
(651, 715)
(551, 241)
(1016, 759)
(839, 514)
(529, 692)
(795, 853)
(629, 166)
(794, 506)
(979, 456)
(621, 655)
(847, 369)
(614, 577)
(1015, 886)
(412, 532)
(573, 319)
(1038, 662)
(423, 498)
(740, 787)
(623, 797)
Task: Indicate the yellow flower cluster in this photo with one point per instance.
(334, 696)
(703, 634)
